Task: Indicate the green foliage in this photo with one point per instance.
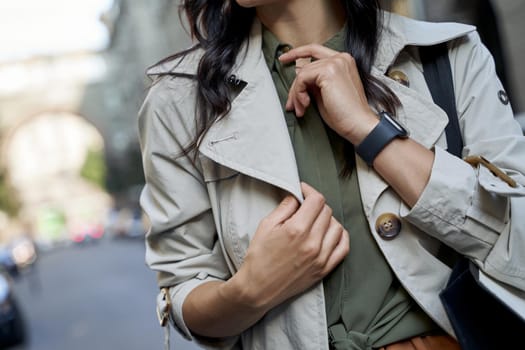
(9, 202)
(94, 168)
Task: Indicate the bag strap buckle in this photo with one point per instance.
(477, 160)
(163, 313)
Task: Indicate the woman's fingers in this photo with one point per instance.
(315, 51)
(299, 99)
(298, 96)
(303, 219)
(324, 233)
(284, 211)
(331, 239)
(338, 253)
(286, 257)
(320, 228)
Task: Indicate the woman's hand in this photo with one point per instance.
(334, 81)
(293, 248)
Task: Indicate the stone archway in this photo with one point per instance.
(54, 162)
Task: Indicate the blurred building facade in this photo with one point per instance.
(59, 113)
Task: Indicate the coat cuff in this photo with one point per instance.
(455, 209)
(178, 295)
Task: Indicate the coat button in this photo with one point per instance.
(283, 48)
(400, 77)
(388, 226)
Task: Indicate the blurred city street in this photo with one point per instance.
(93, 296)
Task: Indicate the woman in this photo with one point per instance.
(255, 195)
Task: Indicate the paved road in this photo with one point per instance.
(98, 296)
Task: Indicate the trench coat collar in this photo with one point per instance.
(399, 32)
(253, 138)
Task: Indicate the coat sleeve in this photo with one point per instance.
(467, 208)
(181, 243)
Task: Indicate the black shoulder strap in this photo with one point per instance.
(438, 75)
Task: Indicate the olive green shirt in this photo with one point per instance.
(365, 304)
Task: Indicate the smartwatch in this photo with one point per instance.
(384, 132)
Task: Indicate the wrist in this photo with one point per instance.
(238, 289)
(385, 131)
(356, 134)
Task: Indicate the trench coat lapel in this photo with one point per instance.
(253, 138)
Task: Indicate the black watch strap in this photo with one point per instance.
(384, 132)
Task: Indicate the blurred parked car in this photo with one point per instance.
(12, 325)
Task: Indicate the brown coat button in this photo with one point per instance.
(400, 77)
(388, 225)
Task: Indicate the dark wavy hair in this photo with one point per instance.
(221, 27)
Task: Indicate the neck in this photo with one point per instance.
(302, 22)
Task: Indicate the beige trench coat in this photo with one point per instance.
(203, 215)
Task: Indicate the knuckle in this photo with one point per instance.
(336, 225)
(319, 264)
(314, 46)
(319, 198)
(295, 230)
(347, 57)
(331, 68)
(319, 273)
(310, 250)
(327, 268)
(340, 59)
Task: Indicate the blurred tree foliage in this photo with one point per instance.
(9, 202)
(94, 168)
